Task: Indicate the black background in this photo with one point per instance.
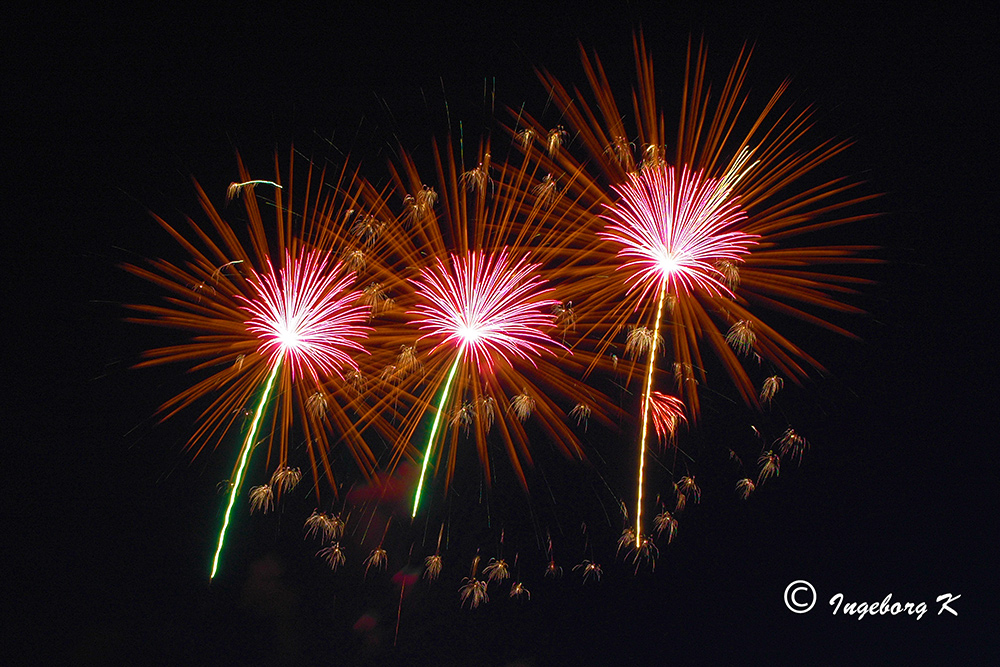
(113, 110)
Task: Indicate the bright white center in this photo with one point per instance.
(469, 334)
(288, 335)
(667, 262)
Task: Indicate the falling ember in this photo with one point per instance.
(285, 479)
(261, 498)
(772, 386)
(745, 487)
(327, 527)
(522, 405)
(641, 340)
(742, 337)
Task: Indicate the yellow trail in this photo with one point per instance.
(647, 395)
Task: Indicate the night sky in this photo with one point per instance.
(111, 526)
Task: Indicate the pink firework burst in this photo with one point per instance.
(490, 305)
(673, 229)
(305, 313)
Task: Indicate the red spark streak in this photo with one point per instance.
(668, 413)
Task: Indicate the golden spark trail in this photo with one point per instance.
(244, 459)
(434, 427)
(647, 395)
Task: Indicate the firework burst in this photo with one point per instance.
(463, 308)
(696, 228)
(478, 317)
(305, 315)
(487, 307)
(672, 231)
(277, 317)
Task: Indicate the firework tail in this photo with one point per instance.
(244, 459)
(434, 427)
(647, 396)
